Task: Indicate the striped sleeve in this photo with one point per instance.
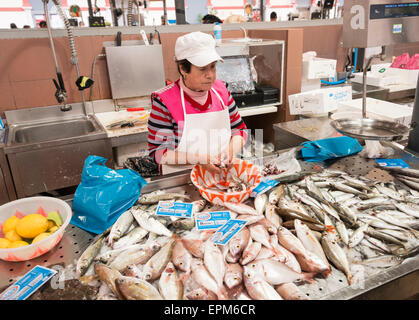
(238, 127)
(162, 134)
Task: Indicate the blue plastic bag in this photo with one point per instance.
(103, 195)
(321, 150)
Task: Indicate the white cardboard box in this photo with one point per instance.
(309, 85)
(377, 79)
(379, 109)
(319, 101)
(317, 68)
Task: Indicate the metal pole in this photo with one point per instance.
(89, 4)
(180, 11)
(262, 11)
(165, 12)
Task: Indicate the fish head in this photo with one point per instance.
(183, 262)
(252, 270)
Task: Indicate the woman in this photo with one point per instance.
(195, 119)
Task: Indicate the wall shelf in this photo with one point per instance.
(256, 110)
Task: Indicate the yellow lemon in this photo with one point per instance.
(10, 224)
(31, 225)
(51, 224)
(4, 243)
(16, 244)
(41, 236)
(53, 229)
(12, 236)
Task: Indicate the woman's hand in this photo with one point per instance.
(235, 147)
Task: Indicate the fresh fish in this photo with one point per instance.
(411, 210)
(370, 203)
(240, 208)
(350, 202)
(135, 256)
(149, 223)
(283, 255)
(194, 246)
(289, 291)
(357, 236)
(389, 192)
(272, 215)
(314, 227)
(201, 294)
(239, 242)
(181, 257)
(107, 256)
(346, 213)
(290, 208)
(257, 287)
(155, 197)
(134, 270)
(368, 249)
(251, 219)
(307, 200)
(389, 218)
(378, 244)
(89, 254)
(401, 235)
(276, 194)
(170, 286)
(214, 262)
(335, 254)
(265, 253)
(384, 261)
(155, 266)
(120, 226)
(203, 278)
(403, 171)
(345, 188)
(311, 263)
(344, 197)
(309, 241)
(331, 211)
(353, 182)
(261, 201)
(184, 224)
(290, 242)
(233, 275)
(268, 225)
(276, 273)
(259, 234)
(137, 289)
(383, 236)
(198, 206)
(109, 276)
(251, 252)
(133, 237)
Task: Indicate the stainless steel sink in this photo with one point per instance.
(53, 130)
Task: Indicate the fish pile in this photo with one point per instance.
(271, 169)
(295, 233)
(230, 182)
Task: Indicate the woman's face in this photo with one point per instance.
(201, 78)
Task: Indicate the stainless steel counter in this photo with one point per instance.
(76, 240)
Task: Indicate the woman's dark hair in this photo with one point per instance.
(185, 65)
(210, 18)
(273, 15)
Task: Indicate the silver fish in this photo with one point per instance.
(345, 188)
(261, 201)
(251, 252)
(353, 182)
(203, 278)
(149, 223)
(133, 237)
(259, 234)
(184, 224)
(411, 210)
(181, 257)
(214, 261)
(198, 206)
(137, 289)
(89, 254)
(155, 266)
(378, 244)
(120, 226)
(383, 236)
(343, 232)
(272, 215)
(155, 197)
(257, 287)
(170, 286)
(239, 242)
(110, 255)
(335, 254)
(389, 192)
(240, 208)
(134, 256)
(384, 261)
(109, 276)
(276, 194)
(357, 236)
(251, 219)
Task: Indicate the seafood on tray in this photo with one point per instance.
(296, 233)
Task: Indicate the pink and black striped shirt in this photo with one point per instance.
(164, 132)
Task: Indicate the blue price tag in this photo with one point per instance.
(174, 209)
(28, 284)
(211, 220)
(394, 163)
(224, 234)
(264, 186)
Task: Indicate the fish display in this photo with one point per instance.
(296, 233)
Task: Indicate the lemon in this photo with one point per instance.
(4, 243)
(51, 224)
(31, 225)
(12, 236)
(55, 216)
(53, 229)
(10, 224)
(41, 236)
(16, 244)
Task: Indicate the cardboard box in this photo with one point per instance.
(317, 68)
(319, 101)
(379, 109)
(309, 85)
(377, 79)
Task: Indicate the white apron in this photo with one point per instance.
(203, 133)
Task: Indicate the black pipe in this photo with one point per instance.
(89, 4)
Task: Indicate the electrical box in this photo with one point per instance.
(373, 23)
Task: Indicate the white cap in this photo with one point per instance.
(198, 48)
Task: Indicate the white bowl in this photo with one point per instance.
(28, 206)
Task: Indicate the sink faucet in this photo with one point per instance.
(245, 32)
